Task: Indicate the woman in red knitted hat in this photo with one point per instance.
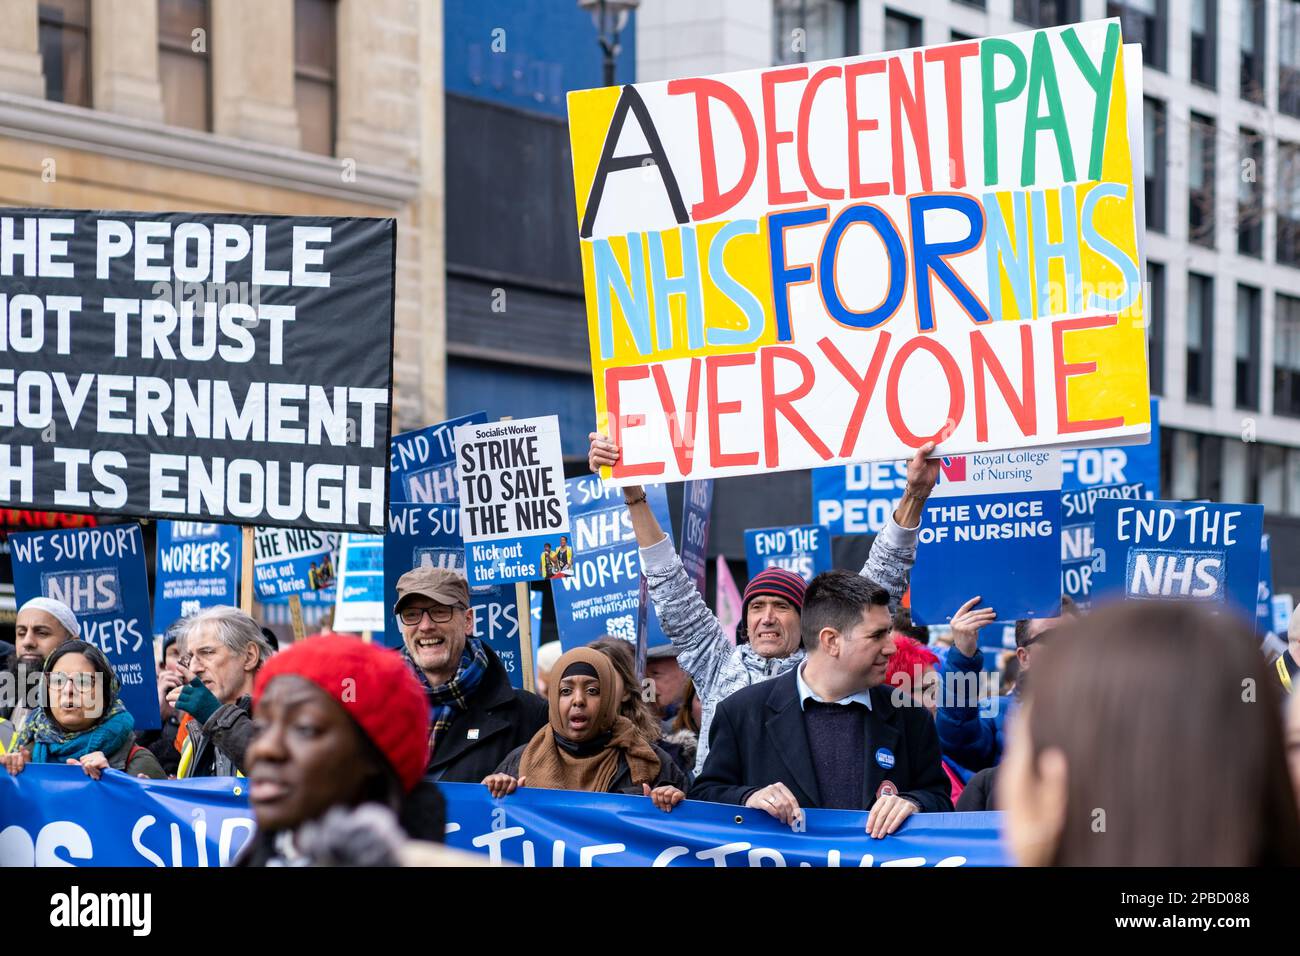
(336, 763)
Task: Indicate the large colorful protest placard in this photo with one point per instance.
(196, 566)
(423, 462)
(421, 535)
(1177, 549)
(601, 595)
(206, 367)
(1077, 534)
(359, 593)
(838, 261)
(513, 508)
(803, 549)
(991, 528)
(100, 574)
(57, 816)
(288, 563)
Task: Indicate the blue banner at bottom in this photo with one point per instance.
(54, 815)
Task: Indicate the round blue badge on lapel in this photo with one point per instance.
(885, 758)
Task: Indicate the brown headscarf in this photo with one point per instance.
(548, 765)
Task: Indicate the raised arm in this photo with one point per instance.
(693, 628)
(894, 551)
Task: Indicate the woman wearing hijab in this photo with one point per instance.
(83, 721)
(588, 745)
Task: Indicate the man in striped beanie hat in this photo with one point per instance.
(769, 639)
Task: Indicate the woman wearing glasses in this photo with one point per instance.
(83, 721)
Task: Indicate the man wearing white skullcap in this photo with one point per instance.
(42, 625)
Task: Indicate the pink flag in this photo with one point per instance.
(728, 600)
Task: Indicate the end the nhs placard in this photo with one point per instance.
(1177, 550)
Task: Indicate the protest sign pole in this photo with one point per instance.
(295, 613)
(524, 612)
(246, 579)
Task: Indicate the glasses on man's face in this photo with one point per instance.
(438, 614)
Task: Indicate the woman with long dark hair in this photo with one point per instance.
(1151, 736)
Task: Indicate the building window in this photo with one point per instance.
(1046, 13)
(184, 64)
(1250, 194)
(65, 50)
(1143, 21)
(1153, 143)
(806, 30)
(1200, 338)
(1288, 58)
(315, 75)
(956, 36)
(1205, 17)
(1200, 181)
(1252, 50)
(1286, 356)
(1247, 347)
(1288, 204)
(1191, 464)
(972, 3)
(901, 31)
(1155, 309)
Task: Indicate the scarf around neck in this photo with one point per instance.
(446, 699)
(50, 743)
(552, 761)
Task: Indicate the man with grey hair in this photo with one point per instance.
(223, 648)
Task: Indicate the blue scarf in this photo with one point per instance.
(52, 744)
(446, 699)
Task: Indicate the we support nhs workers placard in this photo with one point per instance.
(1077, 534)
(803, 549)
(196, 566)
(1115, 465)
(421, 535)
(100, 574)
(512, 503)
(601, 594)
(991, 528)
(422, 466)
(1178, 549)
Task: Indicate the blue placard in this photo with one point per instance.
(56, 816)
(289, 561)
(697, 504)
(196, 566)
(1264, 591)
(1004, 547)
(857, 499)
(100, 574)
(601, 595)
(423, 463)
(1115, 465)
(804, 549)
(1177, 549)
(1077, 533)
(429, 535)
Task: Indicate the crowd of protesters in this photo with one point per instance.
(826, 697)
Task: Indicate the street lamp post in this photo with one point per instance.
(610, 17)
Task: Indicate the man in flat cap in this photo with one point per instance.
(477, 718)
